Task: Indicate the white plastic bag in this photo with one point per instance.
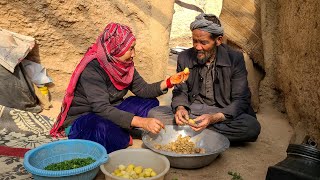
(36, 72)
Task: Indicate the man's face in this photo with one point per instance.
(203, 44)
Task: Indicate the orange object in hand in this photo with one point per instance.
(180, 77)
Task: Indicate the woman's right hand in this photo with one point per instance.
(152, 125)
(181, 116)
(180, 77)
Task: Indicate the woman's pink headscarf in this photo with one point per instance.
(114, 42)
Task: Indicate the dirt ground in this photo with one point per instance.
(251, 160)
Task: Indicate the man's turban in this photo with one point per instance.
(205, 25)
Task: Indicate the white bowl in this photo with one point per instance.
(139, 157)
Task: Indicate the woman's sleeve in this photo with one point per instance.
(97, 95)
(141, 88)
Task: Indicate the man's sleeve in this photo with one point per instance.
(240, 93)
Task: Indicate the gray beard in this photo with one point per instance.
(203, 61)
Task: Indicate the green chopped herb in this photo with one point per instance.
(235, 175)
(70, 164)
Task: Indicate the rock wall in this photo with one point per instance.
(290, 31)
(184, 13)
(241, 21)
(65, 29)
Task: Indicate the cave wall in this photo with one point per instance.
(242, 25)
(185, 12)
(290, 31)
(65, 29)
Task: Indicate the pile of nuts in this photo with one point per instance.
(182, 145)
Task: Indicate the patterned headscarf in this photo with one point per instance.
(205, 25)
(114, 42)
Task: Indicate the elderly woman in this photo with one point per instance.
(94, 107)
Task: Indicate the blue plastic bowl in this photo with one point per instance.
(37, 159)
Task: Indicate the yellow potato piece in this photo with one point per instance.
(148, 169)
(147, 174)
(153, 174)
(135, 176)
(138, 169)
(186, 70)
(117, 171)
(122, 167)
(191, 121)
(130, 167)
(126, 176)
(141, 174)
(118, 174)
(133, 172)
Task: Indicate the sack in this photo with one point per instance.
(14, 48)
(16, 91)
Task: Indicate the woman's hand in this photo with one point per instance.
(149, 124)
(180, 77)
(153, 125)
(177, 78)
(181, 116)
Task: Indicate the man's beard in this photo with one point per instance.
(207, 56)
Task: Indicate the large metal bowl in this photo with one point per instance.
(214, 143)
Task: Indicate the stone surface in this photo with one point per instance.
(184, 13)
(65, 29)
(292, 63)
(241, 20)
(254, 78)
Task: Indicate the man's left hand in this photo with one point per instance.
(205, 120)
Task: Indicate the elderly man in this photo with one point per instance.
(216, 95)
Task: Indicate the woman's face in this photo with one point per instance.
(128, 56)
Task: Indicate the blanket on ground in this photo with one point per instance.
(19, 132)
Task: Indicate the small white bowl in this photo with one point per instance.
(139, 157)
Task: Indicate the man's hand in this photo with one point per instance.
(205, 120)
(181, 116)
(149, 124)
